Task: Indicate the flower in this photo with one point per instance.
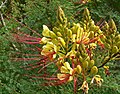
(97, 80)
(44, 40)
(84, 87)
(66, 69)
(47, 33)
(106, 69)
(64, 76)
(49, 50)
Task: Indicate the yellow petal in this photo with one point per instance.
(79, 69)
(67, 65)
(54, 56)
(84, 87)
(71, 71)
(52, 34)
(62, 41)
(61, 76)
(45, 31)
(106, 67)
(63, 69)
(70, 78)
(74, 37)
(44, 40)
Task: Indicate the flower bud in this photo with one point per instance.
(94, 70)
(112, 25)
(69, 33)
(45, 31)
(115, 49)
(59, 34)
(63, 69)
(118, 44)
(91, 35)
(86, 14)
(67, 65)
(81, 59)
(79, 69)
(91, 63)
(61, 16)
(52, 34)
(117, 38)
(85, 64)
(62, 41)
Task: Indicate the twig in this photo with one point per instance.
(27, 27)
(3, 3)
(3, 22)
(2, 19)
(108, 59)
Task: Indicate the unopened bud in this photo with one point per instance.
(112, 25)
(94, 70)
(115, 49)
(85, 64)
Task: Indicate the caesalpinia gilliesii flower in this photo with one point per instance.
(84, 87)
(67, 42)
(66, 69)
(69, 48)
(97, 80)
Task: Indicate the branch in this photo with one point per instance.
(3, 22)
(26, 27)
(105, 62)
(3, 3)
(2, 19)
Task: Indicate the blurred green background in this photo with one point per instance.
(35, 13)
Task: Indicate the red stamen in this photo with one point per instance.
(45, 66)
(25, 59)
(59, 82)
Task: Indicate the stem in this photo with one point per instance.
(3, 22)
(3, 3)
(75, 85)
(2, 19)
(75, 79)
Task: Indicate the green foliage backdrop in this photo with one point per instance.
(33, 14)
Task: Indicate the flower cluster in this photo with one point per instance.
(69, 46)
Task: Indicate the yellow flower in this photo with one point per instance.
(61, 76)
(84, 87)
(97, 80)
(64, 76)
(47, 33)
(66, 71)
(49, 47)
(106, 67)
(44, 40)
(66, 68)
